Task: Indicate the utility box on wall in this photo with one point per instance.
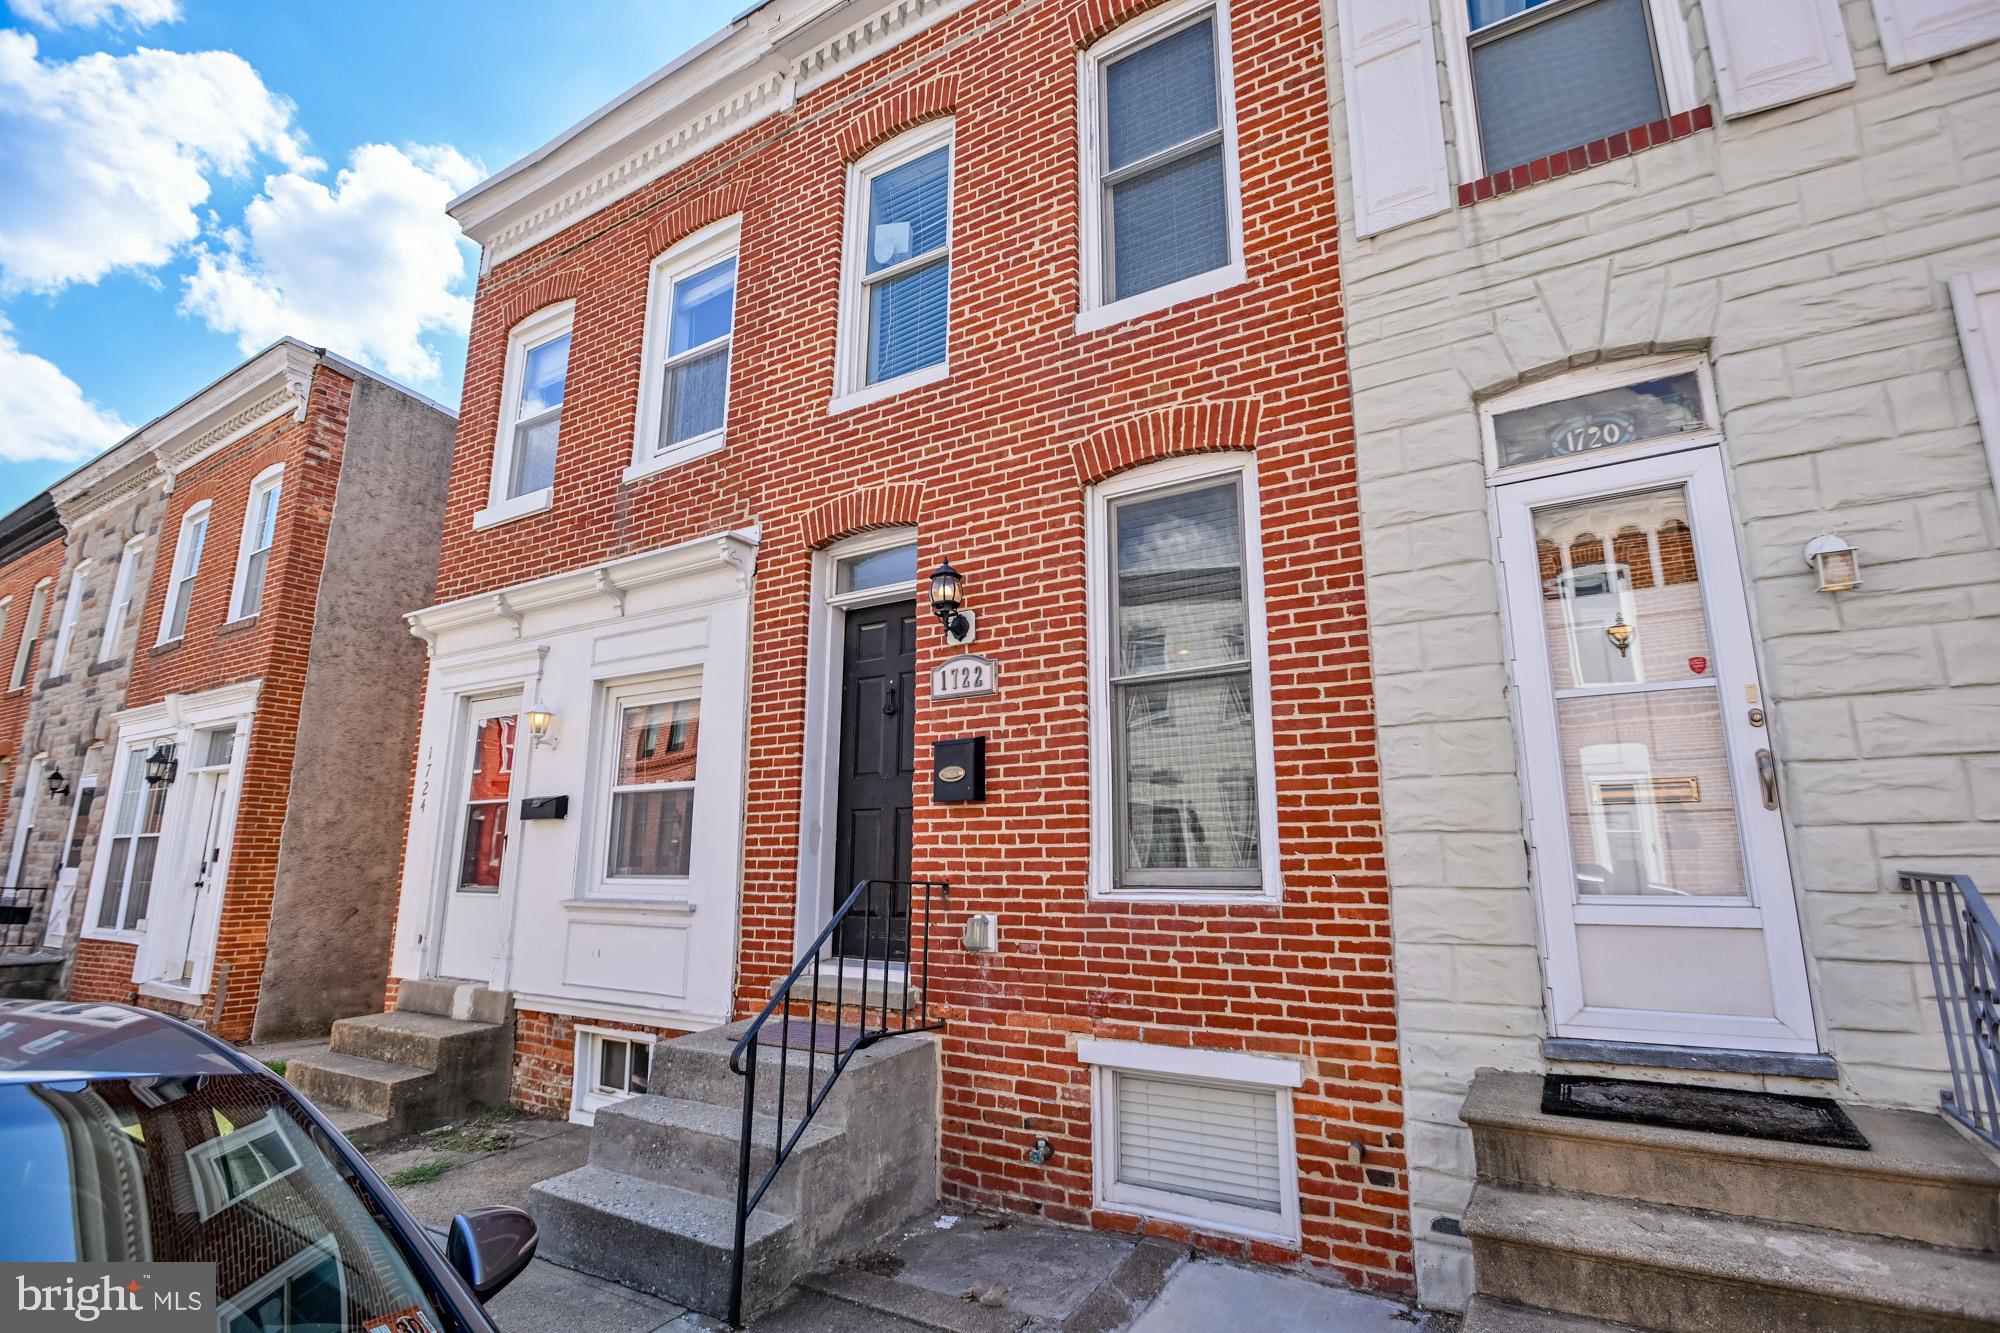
(958, 770)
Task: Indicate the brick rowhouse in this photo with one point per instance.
(991, 465)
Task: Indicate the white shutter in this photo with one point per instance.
(1214, 1141)
(1395, 120)
(1770, 52)
(1976, 299)
(1914, 31)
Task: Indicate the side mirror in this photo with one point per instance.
(489, 1247)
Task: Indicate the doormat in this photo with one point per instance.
(803, 1034)
(1818, 1121)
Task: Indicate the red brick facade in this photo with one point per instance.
(992, 465)
(17, 586)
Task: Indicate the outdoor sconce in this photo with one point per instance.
(58, 784)
(161, 766)
(1833, 558)
(948, 602)
(541, 719)
(1620, 634)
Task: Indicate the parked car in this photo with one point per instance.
(130, 1137)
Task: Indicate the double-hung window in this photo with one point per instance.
(531, 404)
(187, 563)
(691, 315)
(120, 613)
(897, 299)
(1183, 791)
(260, 529)
(66, 627)
(656, 734)
(31, 628)
(135, 846)
(1161, 211)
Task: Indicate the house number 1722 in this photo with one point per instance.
(964, 676)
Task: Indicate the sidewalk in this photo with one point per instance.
(946, 1273)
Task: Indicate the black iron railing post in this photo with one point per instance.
(1962, 939)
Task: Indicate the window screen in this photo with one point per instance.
(697, 379)
(906, 271)
(1545, 85)
(1213, 1141)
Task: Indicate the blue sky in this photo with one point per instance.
(182, 180)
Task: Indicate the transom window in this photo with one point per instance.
(187, 563)
(1645, 406)
(260, 529)
(690, 322)
(531, 403)
(899, 262)
(651, 833)
(1161, 207)
(135, 845)
(1551, 75)
(895, 567)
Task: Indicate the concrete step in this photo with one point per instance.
(694, 1146)
(696, 1068)
(477, 1057)
(1920, 1181)
(358, 1127)
(1488, 1316)
(1677, 1270)
(377, 1087)
(467, 1001)
(670, 1242)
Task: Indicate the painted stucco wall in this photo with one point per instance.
(343, 831)
(1806, 249)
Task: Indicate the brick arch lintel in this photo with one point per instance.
(691, 215)
(904, 109)
(1168, 432)
(1094, 18)
(894, 505)
(541, 292)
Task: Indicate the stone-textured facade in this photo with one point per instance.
(1806, 250)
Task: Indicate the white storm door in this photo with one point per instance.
(1666, 894)
(475, 851)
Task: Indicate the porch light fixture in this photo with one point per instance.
(1833, 558)
(58, 784)
(948, 602)
(161, 766)
(1620, 634)
(540, 719)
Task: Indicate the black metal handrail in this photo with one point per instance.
(866, 1032)
(23, 917)
(1963, 940)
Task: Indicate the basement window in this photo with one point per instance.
(611, 1065)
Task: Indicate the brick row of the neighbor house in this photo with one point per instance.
(1477, 523)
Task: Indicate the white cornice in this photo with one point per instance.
(751, 70)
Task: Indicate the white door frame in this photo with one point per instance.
(467, 712)
(1772, 906)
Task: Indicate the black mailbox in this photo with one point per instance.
(958, 769)
(544, 807)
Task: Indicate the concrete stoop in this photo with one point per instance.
(654, 1207)
(1584, 1224)
(443, 1053)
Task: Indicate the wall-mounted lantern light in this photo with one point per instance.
(948, 602)
(1834, 559)
(58, 784)
(161, 766)
(541, 721)
(1620, 634)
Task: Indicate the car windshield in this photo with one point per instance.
(219, 1168)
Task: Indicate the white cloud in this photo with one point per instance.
(90, 13)
(43, 414)
(109, 157)
(367, 267)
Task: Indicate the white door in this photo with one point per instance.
(1666, 893)
(180, 927)
(475, 854)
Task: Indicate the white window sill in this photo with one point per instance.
(166, 990)
(628, 903)
(162, 643)
(875, 393)
(1260, 897)
(701, 446)
(111, 936)
(506, 511)
(1159, 298)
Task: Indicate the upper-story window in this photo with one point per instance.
(897, 297)
(66, 627)
(531, 403)
(120, 613)
(187, 563)
(31, 628)
(1548, 75)
(260, 529)
(1161, 210)
(690, 316)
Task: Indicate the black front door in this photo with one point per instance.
(872, 838)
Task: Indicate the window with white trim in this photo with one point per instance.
(896, 299)
(24, 822)
(66, 627)
(1195, 1136)
(1183, 791)
(231, 1167)
(655, 735)
(690, 317)
(31, 629)
(187, 564)
(253, 555)
(531, 404)
(1525, 58)
(6, 614)
(1161, 208)
(120, 613)
(610, 1066)
(134, 846)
